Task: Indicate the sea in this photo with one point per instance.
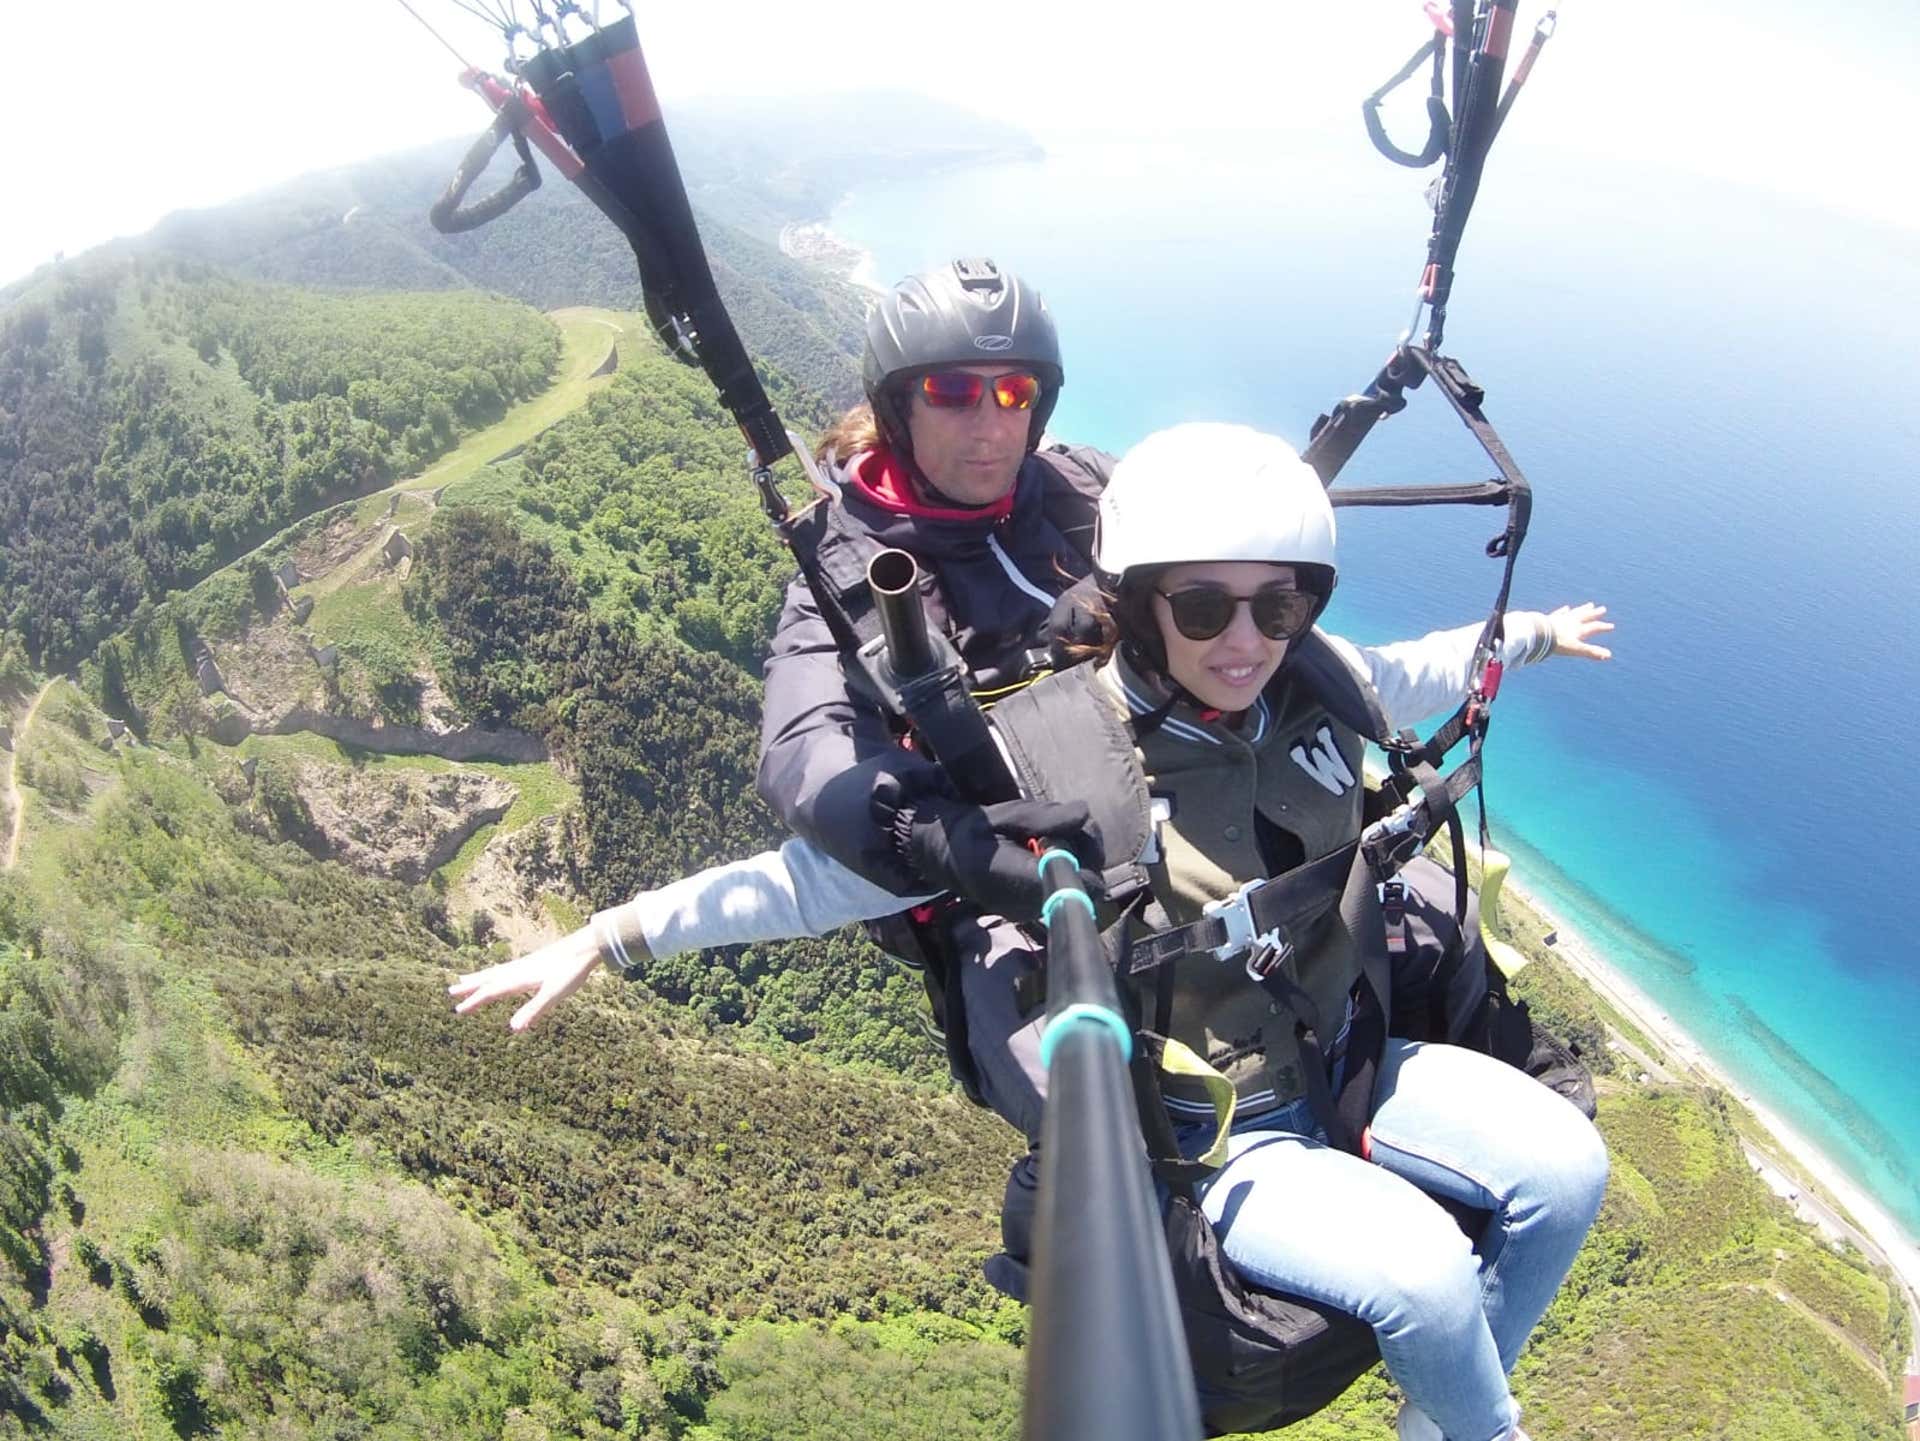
(1710, 388)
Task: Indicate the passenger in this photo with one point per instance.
(1216, 554)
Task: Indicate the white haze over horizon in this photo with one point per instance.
(156, 108)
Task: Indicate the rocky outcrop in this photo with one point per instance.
(512, 877)
(206, 670)
(471, 743)
(392, 822)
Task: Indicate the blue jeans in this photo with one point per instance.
(1451, 1314)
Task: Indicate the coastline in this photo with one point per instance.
(1861, 1220)
(812, 242)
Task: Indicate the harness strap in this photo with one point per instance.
(1343, 1110)
(1438, 121)
(1393, 842)
(448, 216)
(1486, 492)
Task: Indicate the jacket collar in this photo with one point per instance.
(1184, 723)
(875, 499)
(884, 480)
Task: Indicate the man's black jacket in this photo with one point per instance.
(993, 579)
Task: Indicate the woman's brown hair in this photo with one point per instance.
(852, 433)
(1106, 617)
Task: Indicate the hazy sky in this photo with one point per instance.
(155, 107)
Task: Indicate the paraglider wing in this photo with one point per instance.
(598, 96)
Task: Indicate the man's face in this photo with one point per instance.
(970, 453)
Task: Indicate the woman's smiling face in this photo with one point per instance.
(1226, 671)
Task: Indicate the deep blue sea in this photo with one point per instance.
(1711, 392)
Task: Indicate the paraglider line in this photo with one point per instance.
(436, 34)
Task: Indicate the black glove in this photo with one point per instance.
(980, 852)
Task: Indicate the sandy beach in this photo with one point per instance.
(814, 243)
(1861, 1219)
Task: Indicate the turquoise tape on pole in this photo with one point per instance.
(1084, 1011)
(1065, 894)
(1058, 853)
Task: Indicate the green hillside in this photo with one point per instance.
(366, 226)
(157, 419)
(485, 628)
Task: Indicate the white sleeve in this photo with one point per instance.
(1421, 678)
(797, 890)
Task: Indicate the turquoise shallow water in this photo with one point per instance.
(1708, 390)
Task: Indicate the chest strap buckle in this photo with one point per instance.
(1243, 933)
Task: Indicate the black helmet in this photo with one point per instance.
(970, 312)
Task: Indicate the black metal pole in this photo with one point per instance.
(894, 578)
(915, 673)
(1108, 1357)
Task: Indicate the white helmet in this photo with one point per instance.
(1207, 491)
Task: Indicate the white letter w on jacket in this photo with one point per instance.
(1324, 763)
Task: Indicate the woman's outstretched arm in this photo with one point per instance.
(1421, 678)
(797, 890)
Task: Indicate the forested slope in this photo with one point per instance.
(366, 226)
(156, 419)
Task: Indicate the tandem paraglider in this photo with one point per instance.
(1167, 926)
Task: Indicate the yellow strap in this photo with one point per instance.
(988, 697)
(1177, 1059)
(1494, 866)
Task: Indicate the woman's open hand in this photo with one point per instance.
(1574, 627)
(552, 973)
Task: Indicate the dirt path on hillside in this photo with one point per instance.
(568, 392)
(17, 803)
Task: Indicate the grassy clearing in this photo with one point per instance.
(585, 335)
(60, 770)
(363, 608)
(543, 792)
(567, 916)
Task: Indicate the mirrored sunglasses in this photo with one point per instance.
(962, 389)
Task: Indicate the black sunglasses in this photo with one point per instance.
(1201, 612)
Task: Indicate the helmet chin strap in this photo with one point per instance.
(1148, 722)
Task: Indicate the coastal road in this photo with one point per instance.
(1807, 1206)
(1655, 1069)
(1832, 1223)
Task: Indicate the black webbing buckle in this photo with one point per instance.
(1270, 952)
(1393, 905)
(1389, 844)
